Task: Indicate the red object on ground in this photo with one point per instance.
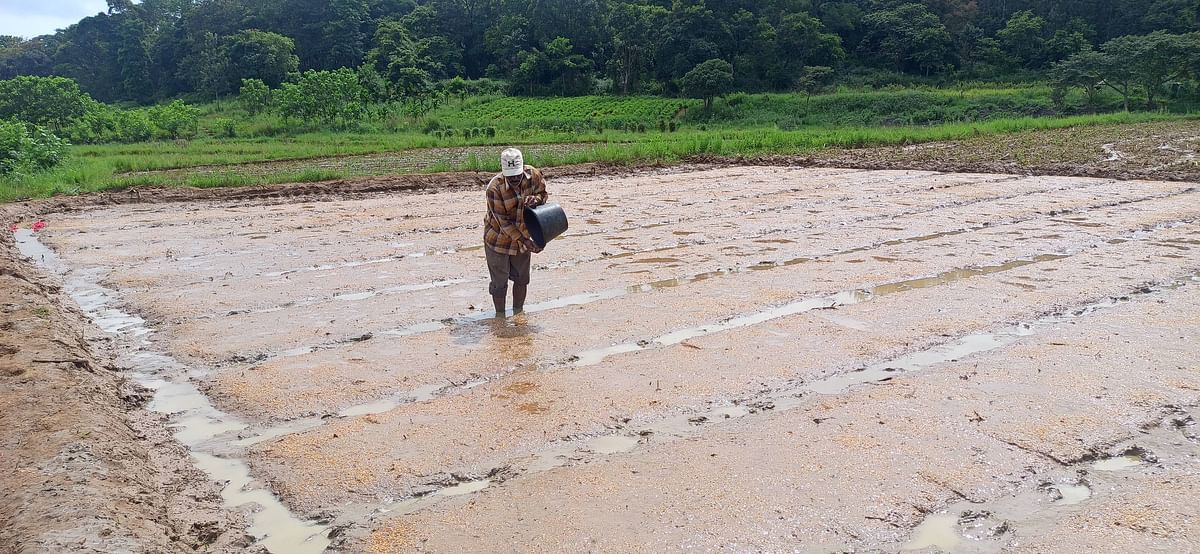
(13, 227)
(38, 225)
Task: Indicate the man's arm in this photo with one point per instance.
(537, 184)
(500, 212)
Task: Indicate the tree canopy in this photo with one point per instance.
(161, 49)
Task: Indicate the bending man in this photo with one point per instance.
(506, 243)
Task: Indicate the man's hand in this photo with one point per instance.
(531, 246)
(531, 202)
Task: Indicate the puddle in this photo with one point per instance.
(937, 531)
(1071, 495)
(192, 417)
(401, 289)
(470, 487)
(611, 444)
(326, 267)
(732, 412)
(275, 527)
(959, 274)
(1118, 463)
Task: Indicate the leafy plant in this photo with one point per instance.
(176, 120)
(254, 96)
(28, 149)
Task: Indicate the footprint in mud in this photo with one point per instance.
(1186, 424)
(1131, 458)
(1071, 495)
(946, 532)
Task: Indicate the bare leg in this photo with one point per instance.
(519, 298)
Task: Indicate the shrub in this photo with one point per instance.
(134, 126)
(254, 96)
(28, 148)
(326, 96)
(52, 101)
(176, 120)
(226, 128)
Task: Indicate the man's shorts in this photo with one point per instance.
(504, 268)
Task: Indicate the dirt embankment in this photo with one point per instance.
(341, 189)
(82, 468)
(1160, 151)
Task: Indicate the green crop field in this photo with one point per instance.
(513, 112)
(212, 162)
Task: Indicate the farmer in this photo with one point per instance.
(506, 243)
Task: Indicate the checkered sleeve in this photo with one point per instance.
(538, 186)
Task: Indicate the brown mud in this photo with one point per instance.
(743, 358)
(84, 467)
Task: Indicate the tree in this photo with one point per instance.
(908, 36)
(207, 68)
(33, 57)
(87, 54)
(400, 59)
(254, 96)
(1084, 70)
(552, 70)
(634, 42)
(692, 34)
(1022, 38)
(1150, 61)
(813, 80)
(268, 57)
(708, 80)
(45, 101)
(132, 52)
(801, 42)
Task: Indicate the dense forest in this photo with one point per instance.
(160, 49)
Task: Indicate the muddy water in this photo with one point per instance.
(192, 416)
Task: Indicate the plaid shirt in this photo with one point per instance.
(504, 225)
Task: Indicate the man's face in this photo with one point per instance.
(512, 180)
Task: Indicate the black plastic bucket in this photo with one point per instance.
(545, 222)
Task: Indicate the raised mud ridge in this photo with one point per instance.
(84, 467)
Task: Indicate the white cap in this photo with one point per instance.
(511, 162)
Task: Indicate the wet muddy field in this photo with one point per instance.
(714, 359)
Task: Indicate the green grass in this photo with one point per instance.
(571, 113)
(895, 107)
(94, 168)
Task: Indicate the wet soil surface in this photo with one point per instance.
(1159, 150)
(83, 468)
(735, 358)
(410, 161)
